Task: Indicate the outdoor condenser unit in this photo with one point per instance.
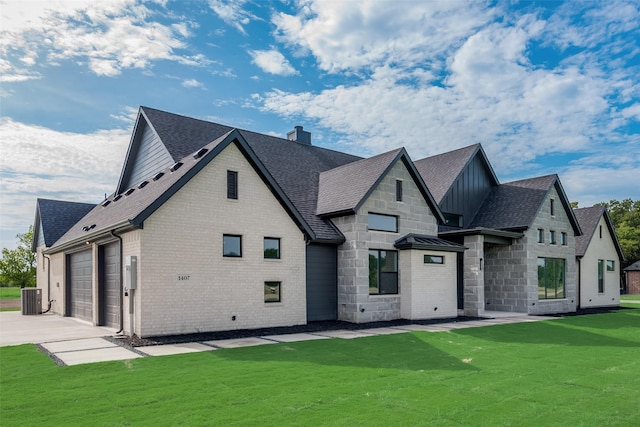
(31, 301)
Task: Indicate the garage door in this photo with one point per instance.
(322, 283)
(110, 285)
(80, 289)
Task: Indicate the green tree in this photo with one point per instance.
(17, 266)
(625, 216)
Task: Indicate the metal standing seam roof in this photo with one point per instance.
(56, 217)
(426, 242)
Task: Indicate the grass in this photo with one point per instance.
(9, 293)
(630, 297)
(578, 371)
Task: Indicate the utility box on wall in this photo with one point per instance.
(131, 272)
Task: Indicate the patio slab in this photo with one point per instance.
(295, 337)
(96, 355)
(171, 349)
(240, 342)
(76, 345)
(384, 331)
(344, 334)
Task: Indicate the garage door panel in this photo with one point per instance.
(80, 285)
(111, 284)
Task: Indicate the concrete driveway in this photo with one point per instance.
(17, 329)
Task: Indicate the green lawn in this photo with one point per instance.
(9, 293)
(630, 297)
(577, 371)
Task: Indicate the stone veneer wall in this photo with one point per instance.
(511, 272)
(354, 302)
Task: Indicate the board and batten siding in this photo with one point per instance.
(150, 157)
(468, 191)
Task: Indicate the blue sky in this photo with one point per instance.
(546, 87)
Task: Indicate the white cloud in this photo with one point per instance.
(41, 162)
(273, 62)
(233, 13)
(108, 36)
(192, 83)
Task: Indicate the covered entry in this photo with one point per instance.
(109, 285)
(79, 285)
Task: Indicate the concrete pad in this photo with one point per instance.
(75, 345)
(16, 329)
(170, 349)
(344, 334)
(294, 337)
(383, 331)
(97, 355)
(240, 342)
(423, 328)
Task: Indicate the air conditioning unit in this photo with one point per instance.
(31, 301)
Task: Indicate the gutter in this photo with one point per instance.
(121, 227)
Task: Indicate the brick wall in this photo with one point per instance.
(633, 282)
(183, 238)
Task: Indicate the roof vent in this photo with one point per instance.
(106, 203)
(118, 197)
(201, 152)
(143, 184)
(299, 135)
(158, 176)
(175, 167)
(129, 191)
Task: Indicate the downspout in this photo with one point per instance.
(48, 283)
(121, 284)
(579, 284)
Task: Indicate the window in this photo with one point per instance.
(611, 265)
(271, 292)
(232, 185)
(563, 239)
(398, 190)
(454, 220)
(601, 232)
(380, 222)
(231, 245)
(383, 272)
(540, 235)
(552, 208)
(551, 278)
(433, 259)
(600, 276)
(552, 237)
(271, 248)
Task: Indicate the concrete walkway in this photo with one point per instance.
(74, 342)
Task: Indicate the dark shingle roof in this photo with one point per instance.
(440, 171)
(56, 217)
(514, 205)
(633, 267)
(343, 188)
(588, 219)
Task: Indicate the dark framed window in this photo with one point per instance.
(231, 245)
(552, 207)
(271, 248)
(272, 291)
(379, 222)
(540, 235)
(600, 276)
(232, 185)
(398, 190)
(551, 278)
(454, 220)
(433, 259)
(611, 265)
(563, 239)
(383, 272)
(600, 228)
(552, 237)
